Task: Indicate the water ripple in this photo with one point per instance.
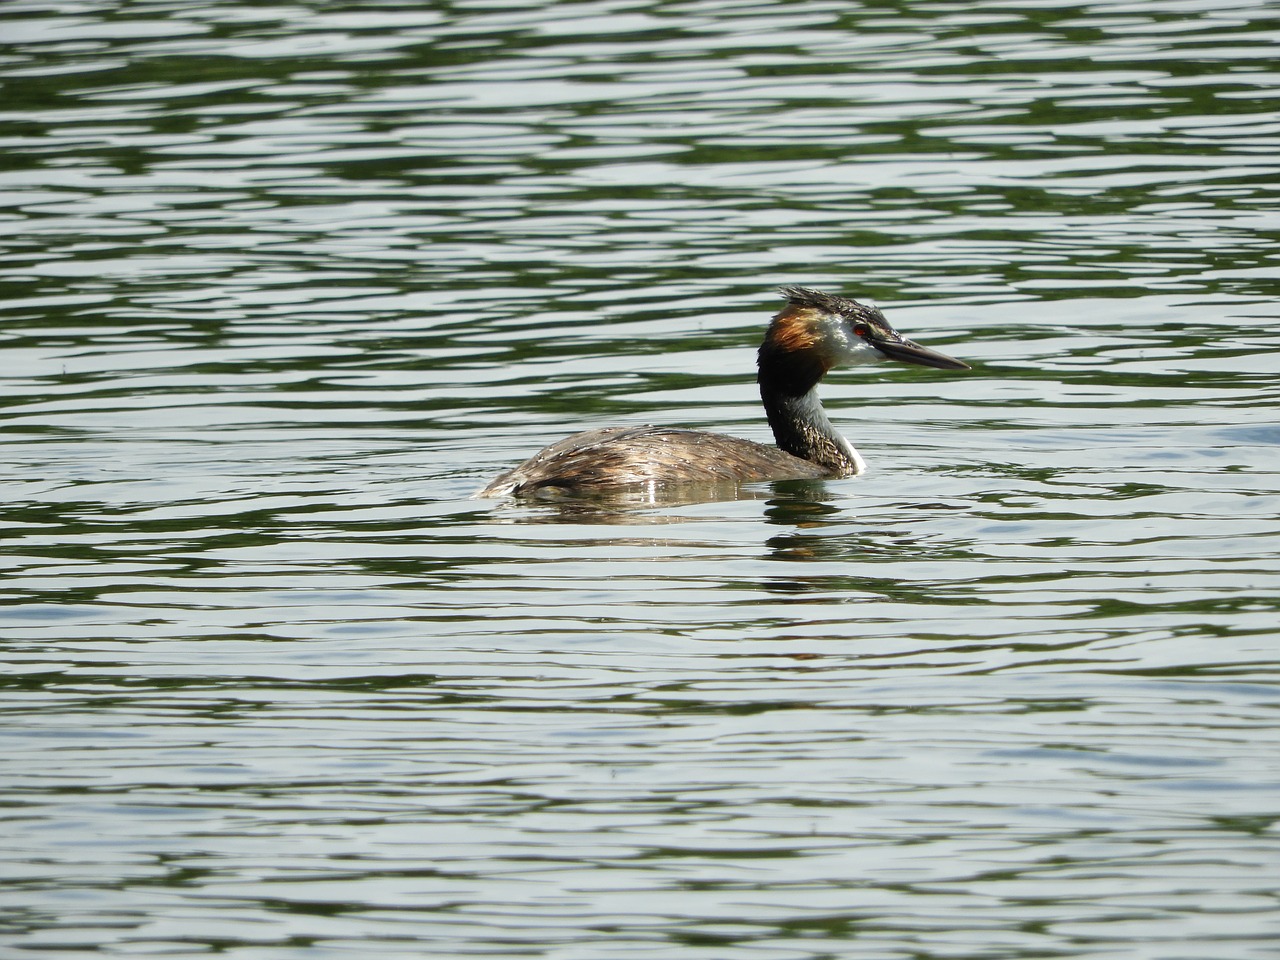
(283, 285)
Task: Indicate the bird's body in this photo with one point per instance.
(626, 456)
(813, 333)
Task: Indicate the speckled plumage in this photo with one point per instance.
(629, 456)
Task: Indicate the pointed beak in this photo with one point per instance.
(909, 351)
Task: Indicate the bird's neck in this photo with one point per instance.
(800, 425)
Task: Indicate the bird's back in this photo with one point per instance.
(631, 456)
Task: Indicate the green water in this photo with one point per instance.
(280, 286)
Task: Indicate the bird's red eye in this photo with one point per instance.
(860, 330)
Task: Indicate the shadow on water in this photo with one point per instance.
(798, 504)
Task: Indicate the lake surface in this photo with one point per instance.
(282, 285)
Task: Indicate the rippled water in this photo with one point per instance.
(283, 284)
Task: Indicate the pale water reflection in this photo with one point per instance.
(283, 285)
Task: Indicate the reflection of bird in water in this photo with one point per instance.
(813, 333)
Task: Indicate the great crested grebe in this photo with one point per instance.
(811, 334)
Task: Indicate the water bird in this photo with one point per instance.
(813, 333)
